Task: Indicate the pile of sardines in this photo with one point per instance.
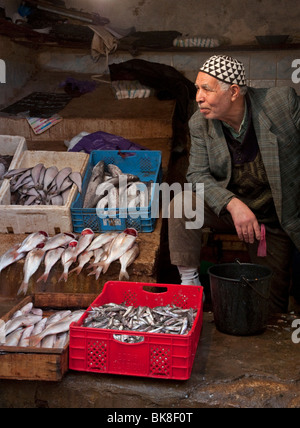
(28, 327)
(42, 186)
(108, 185)
(167, 319)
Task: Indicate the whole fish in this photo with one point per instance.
(61, 326)
(39, 327)
(66, 184)
(36, 172)
(21, 180)
(91, 199)
(62, 340)
(126, 260)
(67, 260)
(62, 176)
(49, 177)
(27, 308)
(57, 316)
(13, 339)
(77, 179)
(101, 240)
(15, 172)
(60, 240)
(22, 321)
(48, 341)
(31, 242)
(87, 236)
(83, 259)
(24, 343)
(51, 258)
(40, 184)
(11, 256)
(122, 243)
(32, 263)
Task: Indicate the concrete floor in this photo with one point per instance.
(229, 372)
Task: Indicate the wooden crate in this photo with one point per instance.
(37, 363)
(51, 219)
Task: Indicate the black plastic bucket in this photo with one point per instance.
(240, 296)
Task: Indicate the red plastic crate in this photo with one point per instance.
(166, 356)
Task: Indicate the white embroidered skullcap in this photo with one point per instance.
(226, 69)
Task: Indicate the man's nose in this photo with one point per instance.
(200, 96)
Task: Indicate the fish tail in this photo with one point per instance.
(34, 340)
(98, 273)
(23, 289)
(64, 277)
(124, 276)
(44, 278)
(72, 259)
(77, 270)
(105, 266)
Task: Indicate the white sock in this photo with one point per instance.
(189, 276)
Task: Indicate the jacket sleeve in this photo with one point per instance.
(294, 103)
(203, 168)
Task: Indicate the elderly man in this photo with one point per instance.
(245, 148)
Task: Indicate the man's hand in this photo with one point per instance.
(244, 220)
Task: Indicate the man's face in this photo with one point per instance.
(214, 103)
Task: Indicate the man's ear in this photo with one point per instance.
(235, 92)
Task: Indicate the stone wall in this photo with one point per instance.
(240, 21)
(263, 68)
(20, 63)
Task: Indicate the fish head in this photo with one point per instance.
(71, 235)
(73, 244)
(131, 232)
(44, 233)
(87, 232)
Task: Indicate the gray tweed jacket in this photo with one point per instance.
(276, 118)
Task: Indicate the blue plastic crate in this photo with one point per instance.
(147, 165)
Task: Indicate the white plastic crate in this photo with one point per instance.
(51, 219)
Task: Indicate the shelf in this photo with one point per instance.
(27, 36)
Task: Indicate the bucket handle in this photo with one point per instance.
(245, 280)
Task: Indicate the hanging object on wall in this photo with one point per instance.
(90, 18)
